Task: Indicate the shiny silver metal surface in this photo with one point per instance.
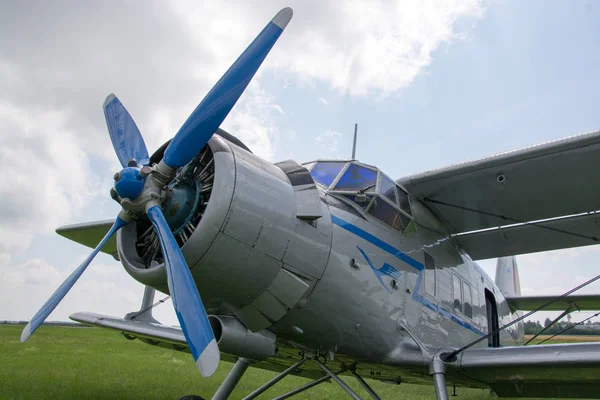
(235, 339)
(341, 282)
(232, 379)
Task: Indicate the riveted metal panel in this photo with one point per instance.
(263, 205)
(252, 318)
(268, 305)
(309, 245)
(234, 272)
(288, 288)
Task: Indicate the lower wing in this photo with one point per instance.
(556, 370)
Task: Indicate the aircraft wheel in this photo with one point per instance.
(191, 397)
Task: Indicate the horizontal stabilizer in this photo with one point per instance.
(583, 302)
(90, 234)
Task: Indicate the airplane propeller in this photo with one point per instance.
(138, 188)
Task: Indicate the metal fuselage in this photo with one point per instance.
(364, 280)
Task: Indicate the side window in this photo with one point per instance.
(457, 293)
(429, 275)
(363, 201)
(403, 201)
(381, 210)
(467, 299)
(387, 188)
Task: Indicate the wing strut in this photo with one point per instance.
(569, 310)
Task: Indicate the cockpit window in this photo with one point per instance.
(383, 211)
(362, 200)
(387, 188)
(403, 201)
(325, 171)
(357, 177)
(367, 189)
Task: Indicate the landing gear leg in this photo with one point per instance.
(236, 373)
(307, 386)
(273, 381)
(338, 380)
(438, 371)
(365, 385)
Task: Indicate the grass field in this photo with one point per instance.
(92, 363)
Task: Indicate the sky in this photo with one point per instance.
(430, 83)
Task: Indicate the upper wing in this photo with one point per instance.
(90, 234)
(519, 191)
(583, 302)
(557, 370)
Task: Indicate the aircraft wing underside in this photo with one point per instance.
(583, 302)
(89, 234)
(557, 370)
(569, 370)
(287, 354)
(544, 197)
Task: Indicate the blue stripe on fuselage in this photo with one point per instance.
(408, 260)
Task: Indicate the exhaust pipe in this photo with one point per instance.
(235, 339)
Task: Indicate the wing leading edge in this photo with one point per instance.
(543, 197)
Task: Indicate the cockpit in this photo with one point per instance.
(367, 187)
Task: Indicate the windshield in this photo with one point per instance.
(357, 177)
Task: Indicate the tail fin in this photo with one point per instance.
(507, 276)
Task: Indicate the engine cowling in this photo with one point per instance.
(235, 217)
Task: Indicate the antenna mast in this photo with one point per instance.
(354, 144)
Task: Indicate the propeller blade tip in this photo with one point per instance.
(109, 98)
(283, 17)
(209, 359)
(26, 332)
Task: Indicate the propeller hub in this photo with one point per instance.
(129, 183)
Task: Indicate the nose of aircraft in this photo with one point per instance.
(235, 218)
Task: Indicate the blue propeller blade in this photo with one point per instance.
(213, 109)
(39, 318)
(124, 133)
(186, 299)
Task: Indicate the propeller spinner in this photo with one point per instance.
(139, 186)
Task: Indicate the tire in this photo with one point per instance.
(191, 397)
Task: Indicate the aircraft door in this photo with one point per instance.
(492, 319)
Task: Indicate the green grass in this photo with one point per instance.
(93, 363)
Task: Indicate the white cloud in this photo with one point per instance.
(377, 47)
(252, 120)
(355, 47)
(329, 142)
(104, 288)
(35, 272)
(47, 179)
(323, 101)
